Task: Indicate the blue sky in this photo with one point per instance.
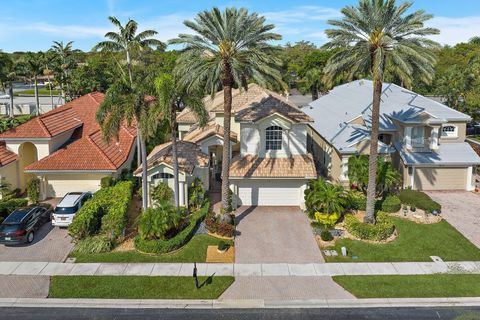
(31, 25)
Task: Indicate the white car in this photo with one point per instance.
(4, 96)
(67, 208)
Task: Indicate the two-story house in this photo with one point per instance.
(270, 164)
(423, 138)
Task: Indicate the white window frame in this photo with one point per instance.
(275, 139)
(162, 176)
(450, 133)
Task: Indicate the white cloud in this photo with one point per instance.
(73, 31)
(455, 30)
(302, 14)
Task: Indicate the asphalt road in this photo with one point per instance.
(467, 313)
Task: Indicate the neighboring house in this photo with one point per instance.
(270, 164)
(65, 149)
(424, 138)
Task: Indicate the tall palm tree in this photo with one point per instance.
(127, 41)
(313, 83)
(229, 49)
(8, 74)
(65, 59)
(373, 38)
(172, 98)
(34, 64)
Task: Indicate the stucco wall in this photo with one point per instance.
(461, 133)
(326, 156)
(10, 173)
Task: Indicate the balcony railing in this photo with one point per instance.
(419, 145)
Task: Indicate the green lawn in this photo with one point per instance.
(475, 138)
(41, 92)
(415, 242)
(137, 287)
(193, 251)
(415, 286)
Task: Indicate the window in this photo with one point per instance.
(162, 175)
(273, 138)
(449, 131)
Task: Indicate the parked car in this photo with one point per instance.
(67, 208)
(20, 226)
(473, 128)
(4, 96)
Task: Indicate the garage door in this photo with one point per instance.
(58, 187)
(270, 192)
(440, 178)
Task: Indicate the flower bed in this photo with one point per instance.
(217, 228)
(380, 231)
(164, 246)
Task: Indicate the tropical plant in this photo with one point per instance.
(33, 189)
(196, 194)
(375, 38)
(5, 187)
(8, 73)
(312, 82)
(34, 65)
(325, 197)
(62, 63)
(172, 98)
(161, 193)
(230, 49)
(127, 41)
(154, 223)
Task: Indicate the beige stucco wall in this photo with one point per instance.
(461, 130)
(10, 174)
(327, 156)
(234, 126)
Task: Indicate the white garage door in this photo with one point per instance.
(58, 187)
(440, 178)
(270, 192)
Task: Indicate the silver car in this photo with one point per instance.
(67, 208)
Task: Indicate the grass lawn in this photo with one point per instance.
(415, 286)
(415, 242)
(41, 92)
(193, 251)
(137, 287)
(475, 138)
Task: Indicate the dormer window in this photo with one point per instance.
(449, 131)
(273, 138)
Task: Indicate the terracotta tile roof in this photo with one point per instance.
(189, 156)
(300, 166)
(6, 156)
(241, 99)
(270, 105)
(86, 151)
(198, 134)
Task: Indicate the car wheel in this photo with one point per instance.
(30, 237)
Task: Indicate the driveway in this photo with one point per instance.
(50, 245)
(462, 210)
(274, 235)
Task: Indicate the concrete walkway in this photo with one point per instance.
(237, 270)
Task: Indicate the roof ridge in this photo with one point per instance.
(43, 126)
(89, 138)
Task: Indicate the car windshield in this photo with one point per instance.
(66, 210)
(8, 228)
(16, 216)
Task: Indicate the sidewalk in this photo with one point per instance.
(237, 270)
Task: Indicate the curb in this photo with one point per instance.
(238, 304)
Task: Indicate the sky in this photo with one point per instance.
(32, 25)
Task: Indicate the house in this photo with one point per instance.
(65, 149)
(424, 139)
(270, 164)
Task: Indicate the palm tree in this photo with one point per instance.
(374, 38)
(64, 55)
(172, 98)
(127, 41)
(34, 64)
(230, 49)
(313, 83)
(8, 74)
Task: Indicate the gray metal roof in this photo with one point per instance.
(333, 111)
(449, 154)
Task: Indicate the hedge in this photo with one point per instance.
(419, 200)
(381, 230)
(105, 212)
(10, 204)
(357, 200)
(391, 204)
(165, 246)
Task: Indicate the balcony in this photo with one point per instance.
(420, 144)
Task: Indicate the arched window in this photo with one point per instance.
(273, 138)
(162, 175)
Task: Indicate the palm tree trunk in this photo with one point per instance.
(12, 108)
(50, 87)
(314, 93)
(37, 101)
(227, 102)
(143, 150)
(372, 160)
(173, 129)
(130, 77)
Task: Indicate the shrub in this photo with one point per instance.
(196, 194)
(381, 230)
(33, 189)
(10, 204)
(214, 225)
(161, 193)
(327, 220)
(419, 200)
(154, 223)
(222, 246)
(325, 197)
(106, 182)
(357, 200)
(87, 220)
(180, 239)
(326, 235)
(95, 244)
(391, 204)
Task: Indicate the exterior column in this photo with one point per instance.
(434, 138)
(470, 183)
(344, 169)
(43, 188)
(181, 193)
(408, 138)
(412, 178)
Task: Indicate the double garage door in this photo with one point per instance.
(270, 192)
(440, 178)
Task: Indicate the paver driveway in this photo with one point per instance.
(50, 245)
(462, 210)
(274, 235)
